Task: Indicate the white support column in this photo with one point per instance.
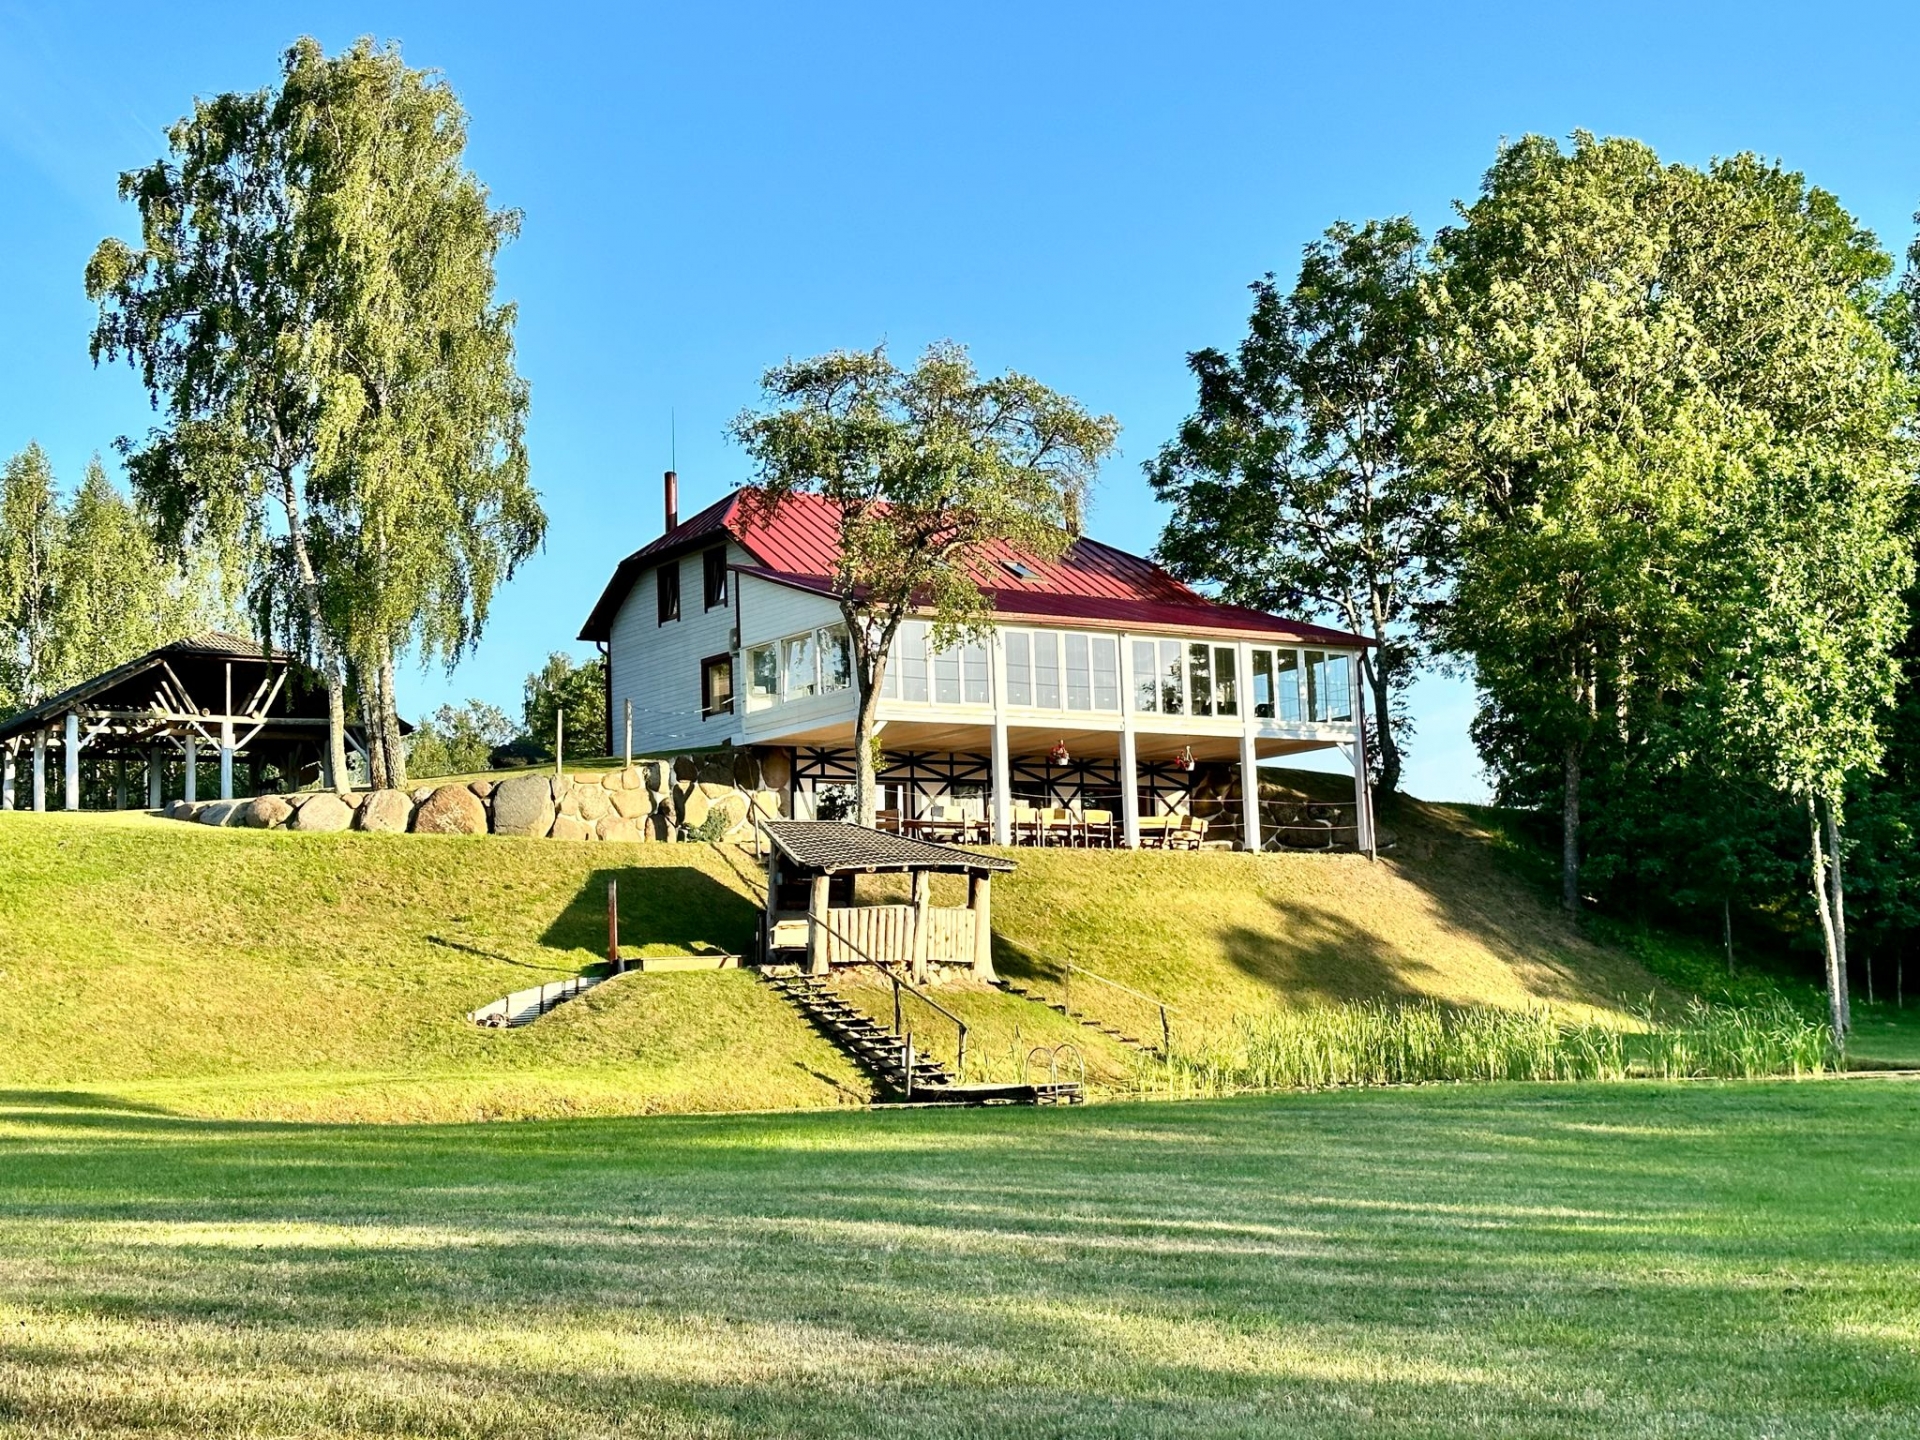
(6, 777)
(192, 788)
(156, 772)
(1002, 747)
(226, 759)
(1249, 791)
(1129, 786)
(119, 782)
(71, 754)
(39, 771)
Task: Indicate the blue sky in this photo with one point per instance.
(1082, 193)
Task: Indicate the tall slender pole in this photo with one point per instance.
(626, 754)
(613, 926)
(559, 740)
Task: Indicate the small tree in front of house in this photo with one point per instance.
(928, 469)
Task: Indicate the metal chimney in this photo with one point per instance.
(673, 499)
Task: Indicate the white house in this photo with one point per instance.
(1107, 687)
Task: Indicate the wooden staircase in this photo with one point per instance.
(884, 1055)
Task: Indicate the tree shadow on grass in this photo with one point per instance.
(1316, 954)
(662, 907)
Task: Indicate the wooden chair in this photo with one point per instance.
(1097, 827)
(1026, 825)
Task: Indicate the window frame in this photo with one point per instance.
(714, 586)
(666, 585)
(708, 668)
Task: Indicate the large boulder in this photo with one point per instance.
(631, 779)
(716, 767)
(633, 804)
(219, 812)
(568, 827)
(686, 769)
(746, 770)
(593, 803)
(655, 776)
(180, 809)
(618, 827)
(694, 807)
(265, 812)
(776, 769)
(482, 788)
(322, 813)
(451, 810)
(386, 812)
(523, 806)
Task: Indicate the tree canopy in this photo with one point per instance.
(926, 468)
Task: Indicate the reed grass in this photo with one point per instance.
(1424, 1042)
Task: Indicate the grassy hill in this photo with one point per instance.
(274, 975)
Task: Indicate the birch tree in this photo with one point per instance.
(30, 525)
(926, 470)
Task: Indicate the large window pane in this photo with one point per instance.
(1226, 689)
(763, 676)
(1173, 686)
(1079, 673)
(975, 676)
(910, 649)
(1200, 677)
(946, 677)
(1019, 668)
(1262, 684)
(1316, 664)
(1336, 688)
(1146, 684)
(1286, 679)
(1046, 669)
(836, 659)
(802, 678)
(1106, 673)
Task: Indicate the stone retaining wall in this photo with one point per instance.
(650, 800)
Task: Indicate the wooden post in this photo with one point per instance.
(1129, 787)
(817, 927)
(6, 777)
(981, 903)
(1249, 791)
(613, 926)
(626, 753)
(922, 901)
(192, 787)
(39, 771)
(72, 757)
(119, 782)
(156, 778)
(559, 740)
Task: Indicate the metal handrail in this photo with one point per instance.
(901, 983)
(1165, 1009)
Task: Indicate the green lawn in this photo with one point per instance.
(1706, 1260)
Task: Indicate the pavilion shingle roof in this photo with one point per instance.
(833, 845)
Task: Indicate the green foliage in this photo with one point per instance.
(927, 470)
(579, 690)
(1293, 484)
(1383, 1043)
(458, 740)
(711, 830)
(311, 308)
(83, 584)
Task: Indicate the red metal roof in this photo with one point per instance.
(1092, 583)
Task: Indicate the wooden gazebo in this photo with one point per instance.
(811, 866)
(210, 696)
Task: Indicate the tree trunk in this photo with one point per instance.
(1570, 834)
(1836, 883)
(335, 766)
(363, 680)
(1386, 743)
(1822, 898)
(394, 742)
(866, 780)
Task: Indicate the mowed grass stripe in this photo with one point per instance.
(1711, 1260)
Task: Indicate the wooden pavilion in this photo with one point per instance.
(811, 868)
(163, 712)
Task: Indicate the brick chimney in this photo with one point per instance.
(673, 499)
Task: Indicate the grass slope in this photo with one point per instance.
(242, 973)
(1707, 1260)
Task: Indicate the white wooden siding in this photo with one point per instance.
(658, 666)
(770, 612)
